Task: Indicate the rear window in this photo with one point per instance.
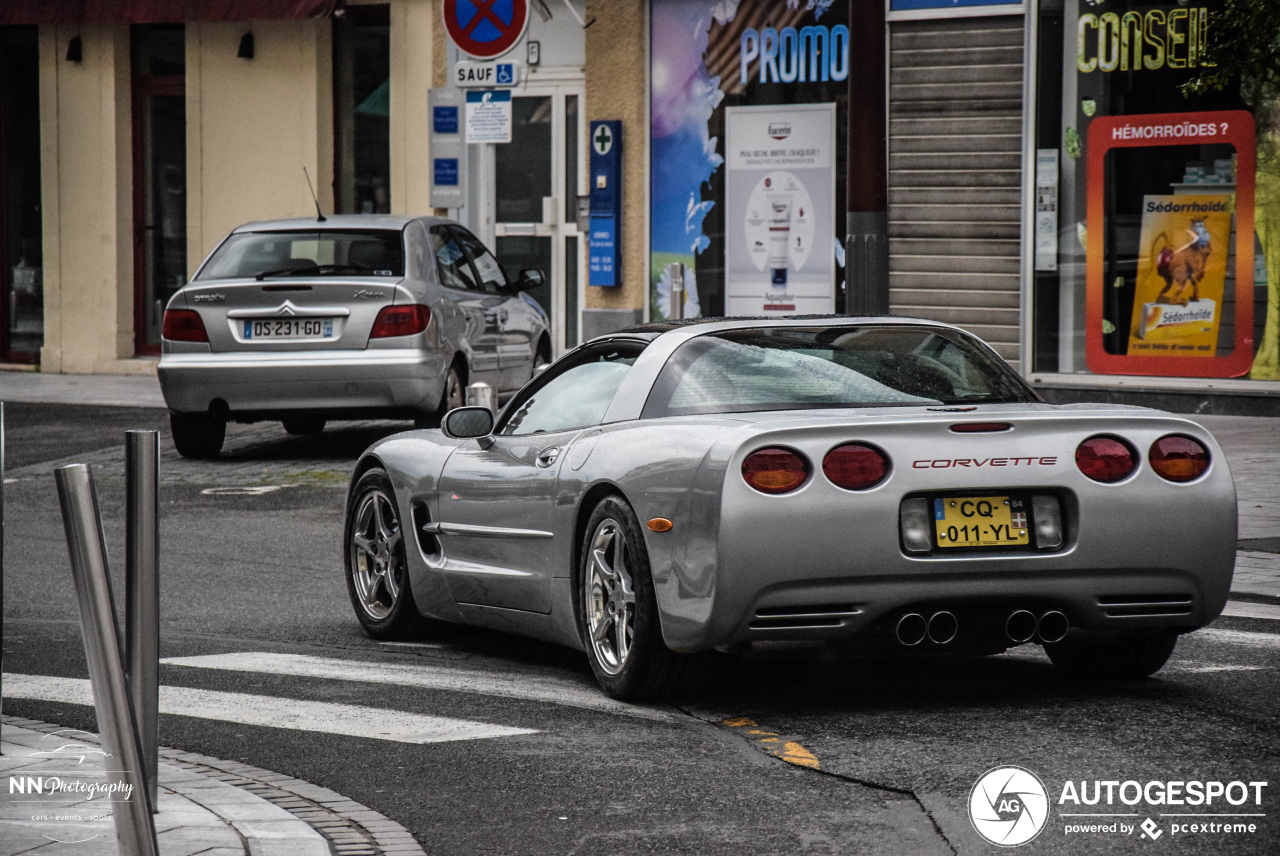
(247, 255)
(798, 368)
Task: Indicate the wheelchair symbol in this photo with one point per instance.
(506, 73)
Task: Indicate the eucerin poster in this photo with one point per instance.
(780, 204)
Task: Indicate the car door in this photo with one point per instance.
(496, 496)
(515, 345)
(463, 286)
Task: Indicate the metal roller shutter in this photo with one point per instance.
(955, 173)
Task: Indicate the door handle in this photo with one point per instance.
(502, 316)
(548, 456)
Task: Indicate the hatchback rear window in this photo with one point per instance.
(798, 368)
(248, 255)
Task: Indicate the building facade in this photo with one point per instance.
(1048, 186)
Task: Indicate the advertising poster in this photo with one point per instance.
(1168, 281)
(1182, 275)
(712, 64)
(780, 189)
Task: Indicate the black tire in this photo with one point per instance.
(633, 664)
(303, 426)
(374, 558)
(197, 435)
(1126, 657)
(542, 357)
(452, 395)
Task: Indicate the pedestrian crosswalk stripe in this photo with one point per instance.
(546, 689)
(275, 712)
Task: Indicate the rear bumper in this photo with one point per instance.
(378, 381)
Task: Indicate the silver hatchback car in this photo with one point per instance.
(350, 317)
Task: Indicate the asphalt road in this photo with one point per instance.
(883, 753)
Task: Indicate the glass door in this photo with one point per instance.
(536, 180)
(21, 268)
(159, 177)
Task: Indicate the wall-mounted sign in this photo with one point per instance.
(1173, 303)
(448, 150)
(605, 204)
(1046, 252)
(780, 209)
(489, 116)
(486, 75)
(485, 29)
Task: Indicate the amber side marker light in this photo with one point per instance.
(1178, 459)
(660, 524)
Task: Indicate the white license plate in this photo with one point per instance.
(289, 328)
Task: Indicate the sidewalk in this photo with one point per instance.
(206, 806)
(103, 390)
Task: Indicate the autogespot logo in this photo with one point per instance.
(1008, 806)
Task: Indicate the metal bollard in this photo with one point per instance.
(135, 829)
(480, 394)
(142, 593)
(675, 276)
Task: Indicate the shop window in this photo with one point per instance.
(362, 110)
(1146, 249)
(21, 266)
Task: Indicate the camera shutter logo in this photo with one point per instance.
(1008, 806)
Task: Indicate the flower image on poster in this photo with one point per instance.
(1182, 275)
(711, 60)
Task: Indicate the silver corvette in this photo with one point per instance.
(885, 483)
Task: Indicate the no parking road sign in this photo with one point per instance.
(485, 28)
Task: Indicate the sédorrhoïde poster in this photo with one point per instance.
(1182, 272)
(780, 209)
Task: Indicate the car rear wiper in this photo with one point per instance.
(313, 269)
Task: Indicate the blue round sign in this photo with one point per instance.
(485, 28)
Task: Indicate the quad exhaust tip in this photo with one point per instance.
(1052, 627)
(912, 629)
(1020, 626)
(943, 627)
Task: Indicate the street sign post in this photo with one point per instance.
(485, 29)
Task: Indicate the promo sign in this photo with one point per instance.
(1183, 252)
(780, 209)
(485, 29)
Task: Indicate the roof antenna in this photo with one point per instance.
(320, 218)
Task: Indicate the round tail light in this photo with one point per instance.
(1106, 459)
(775, 470)
(1178, 458)
(855, 466)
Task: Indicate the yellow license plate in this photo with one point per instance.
(981, 521)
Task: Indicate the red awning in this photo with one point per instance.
(158, 11)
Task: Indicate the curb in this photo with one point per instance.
(351, 829)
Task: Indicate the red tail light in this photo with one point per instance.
(183, 325)
(1106, 459)
(1178, 458)
(855, 466)
(401, 321)
(775, 470)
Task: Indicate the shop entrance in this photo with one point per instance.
(531, 185)
(21, 267)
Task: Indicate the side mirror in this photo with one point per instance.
(530, 278)
(468, 423)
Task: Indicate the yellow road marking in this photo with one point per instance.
(790, 751)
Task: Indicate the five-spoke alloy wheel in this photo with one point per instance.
(377, 574)
(618, 611)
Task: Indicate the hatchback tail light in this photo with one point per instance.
(1106, 459)
(855, 466)
(408, 320)
(183, 325)
(775, 470)
(1178, 458)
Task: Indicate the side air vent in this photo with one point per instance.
(793, 617)
(1135, 605)
(428, 543)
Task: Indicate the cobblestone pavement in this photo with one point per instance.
(206, 806)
